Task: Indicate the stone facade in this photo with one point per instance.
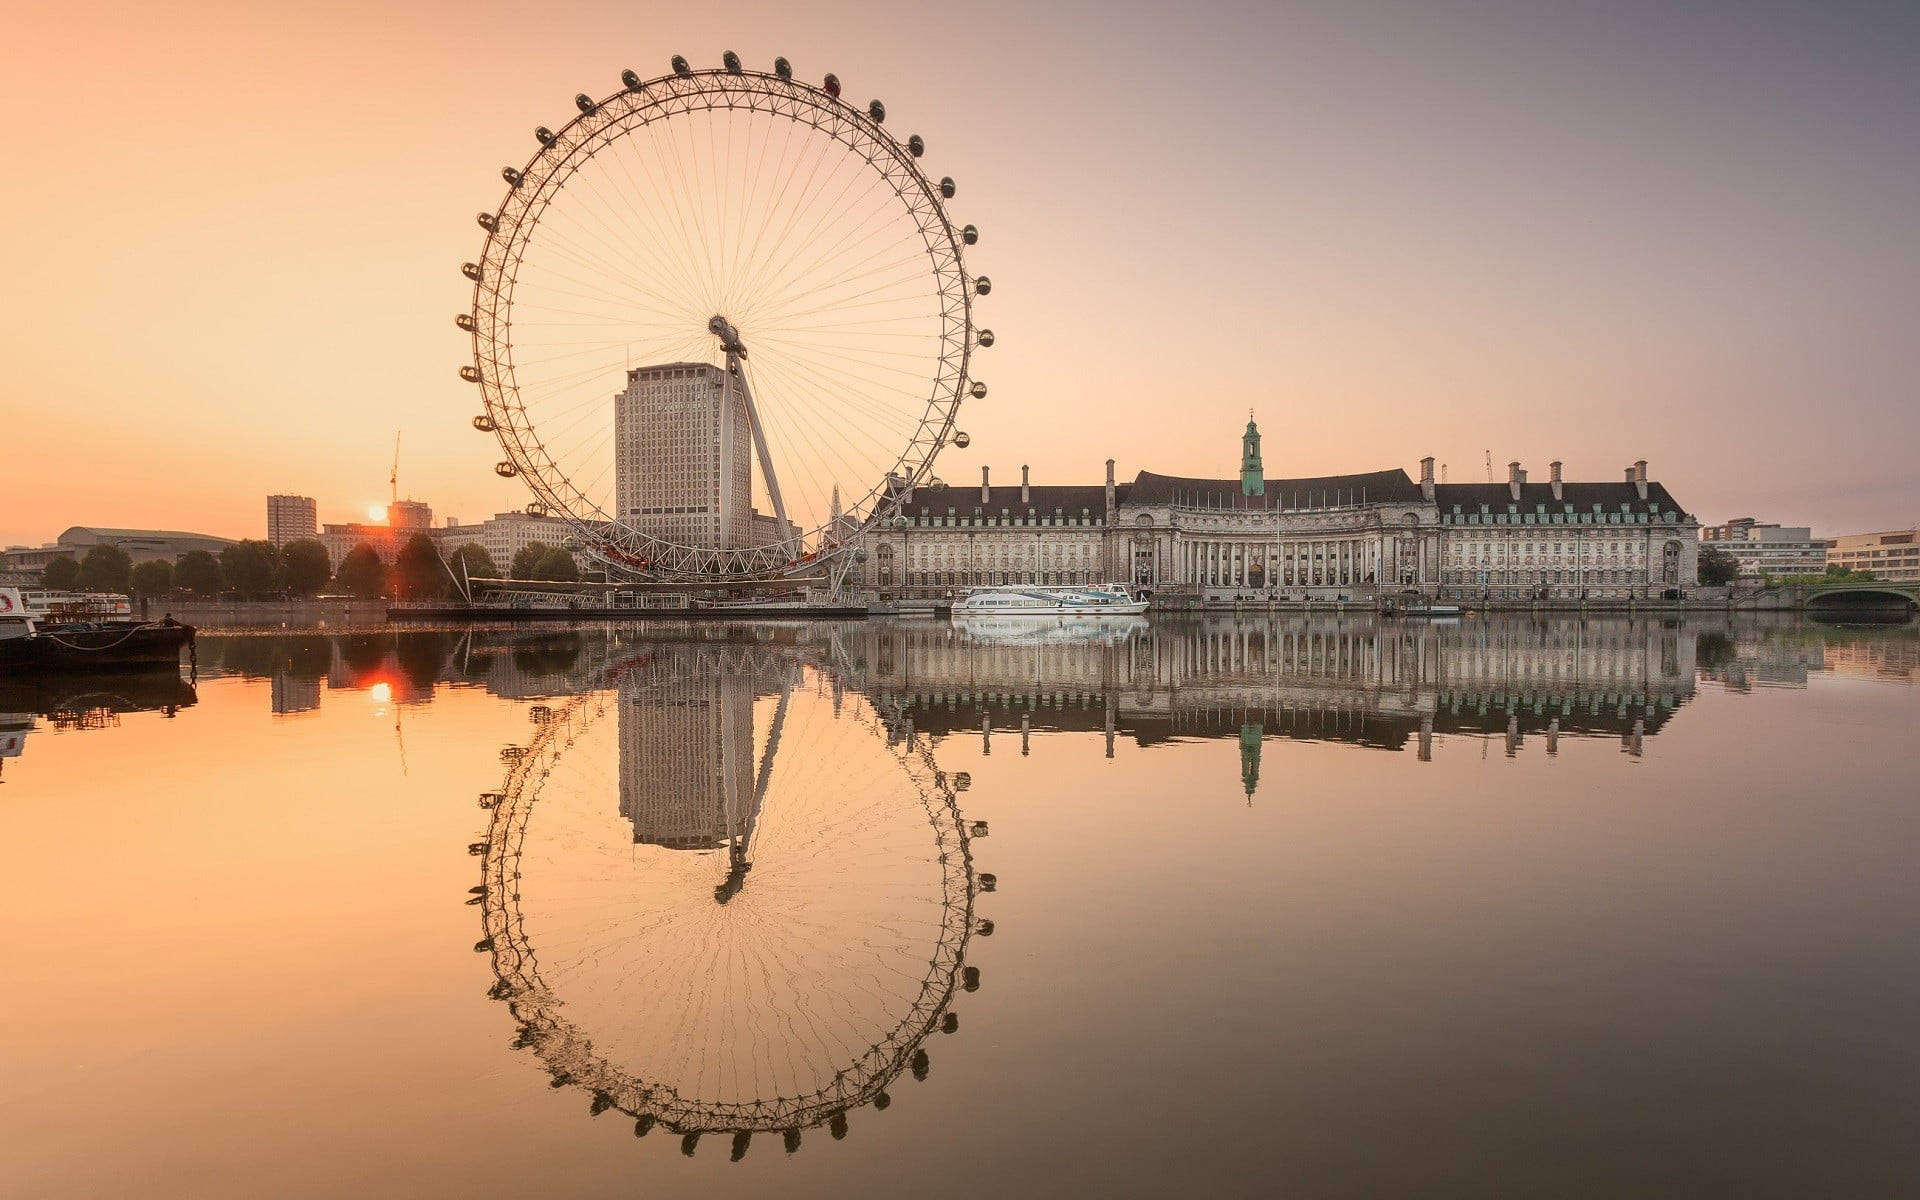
(1328, 539)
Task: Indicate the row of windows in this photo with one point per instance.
(954, 520)
(1541, 517)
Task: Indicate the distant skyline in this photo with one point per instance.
(1611, 232)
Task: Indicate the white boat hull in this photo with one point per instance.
(1133, 609)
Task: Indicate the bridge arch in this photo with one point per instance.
(1865, 596)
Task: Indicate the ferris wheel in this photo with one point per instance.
(724, 894)
(722, 322)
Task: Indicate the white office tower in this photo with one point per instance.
(683, 456)
(686, 758)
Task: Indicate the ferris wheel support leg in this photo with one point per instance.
(735, 373)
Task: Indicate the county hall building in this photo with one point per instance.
(1292, 541)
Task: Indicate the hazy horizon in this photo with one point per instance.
(1617, 232)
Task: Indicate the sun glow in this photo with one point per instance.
(377, 513)
(381, 692)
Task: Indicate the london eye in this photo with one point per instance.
(722, 321)
(724, 895)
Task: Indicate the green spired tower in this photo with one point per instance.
(1253, 480)
(1250, 735)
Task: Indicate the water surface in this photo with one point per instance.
(1306, 906)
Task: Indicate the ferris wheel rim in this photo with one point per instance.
(569, 1051)
(531, 191)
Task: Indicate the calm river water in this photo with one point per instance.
(1303, 906)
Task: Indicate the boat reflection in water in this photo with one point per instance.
(78, 702)
(723, 893)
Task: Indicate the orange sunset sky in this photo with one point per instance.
(1594, 232)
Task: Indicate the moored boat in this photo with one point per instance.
(1039, 600)
(28, 643)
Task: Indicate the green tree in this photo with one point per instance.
(105, 569)
(61, 574)
(557, 564)
(153, 578)
(418, 573)
(198, 572)
(526, 564)
(250, 567)
(472, 561)
(1717, 567)
(361, 572)
(304, 568)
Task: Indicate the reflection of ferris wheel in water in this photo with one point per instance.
(726, 897)
(712, 274)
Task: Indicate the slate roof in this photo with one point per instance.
(1583, 496)
(1043, 499)
(1391, 487)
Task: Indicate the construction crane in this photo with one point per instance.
(393, 479)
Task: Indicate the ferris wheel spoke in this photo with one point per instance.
(813, 250)
(668, 297)
(811, 202)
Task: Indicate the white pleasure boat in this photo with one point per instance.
(1037, 600)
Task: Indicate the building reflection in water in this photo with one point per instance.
(1388, 685)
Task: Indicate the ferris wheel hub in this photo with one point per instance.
(728, 335)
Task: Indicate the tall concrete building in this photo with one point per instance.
(683, 456)
(291, 517)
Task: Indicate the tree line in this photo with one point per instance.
(259, 570)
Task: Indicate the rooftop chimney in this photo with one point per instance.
(1640, 477)
(1515, 477)
(1426, 479)
(1025, 494)
(984, 498)
(1554, 478)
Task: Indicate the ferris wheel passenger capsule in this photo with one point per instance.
(543, 135)
(962, 440)
(631, 79)
(584, 102)
(731, 62)
(970, 235)
(946, 186)
(832, 85)
(505, 470)
(483, 423)
(464, 321)
(486, 221)
(470, 373)
(471, 271)
(986, 337)
(978, 391)
(783, 68)
(982, 285)
(680, 66)
(901, 522)
(916, 145)
(511, 176)
(877, 111)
